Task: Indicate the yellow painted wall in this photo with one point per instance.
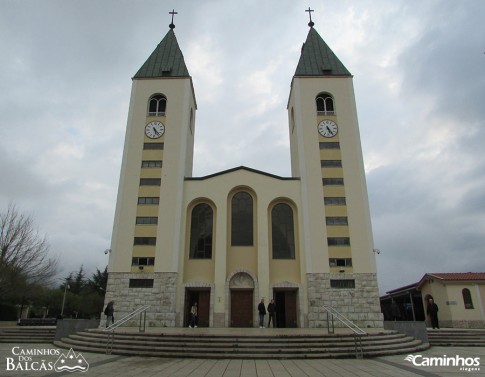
(229, 259)
(451, 292)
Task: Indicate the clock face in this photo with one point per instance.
(327, 128)
(154, 130)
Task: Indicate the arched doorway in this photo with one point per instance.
(241, 287)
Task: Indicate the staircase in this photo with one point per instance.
(246, 344)
(26, 334)
(457, 337)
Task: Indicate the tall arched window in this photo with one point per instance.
(325, 104)
(467, 298)
(242, 219)
(283, 233)
(157, 105)
(201, 232)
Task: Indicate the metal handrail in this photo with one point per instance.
(111, 329)
(358, 332)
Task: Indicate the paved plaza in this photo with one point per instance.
(121, 366)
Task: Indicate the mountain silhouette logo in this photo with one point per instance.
(411, 358)
(71, 363)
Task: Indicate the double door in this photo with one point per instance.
(242, 308)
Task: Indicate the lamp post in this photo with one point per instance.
(66, 287)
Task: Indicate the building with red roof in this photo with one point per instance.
(460, 297)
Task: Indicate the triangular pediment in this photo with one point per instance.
(239, 168)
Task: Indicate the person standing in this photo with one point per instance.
(109, 312)
(395, 312)
(432, 312)
(262, 313)
(193, 316)
(271, 313)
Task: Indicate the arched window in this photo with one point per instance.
(201, 232)
(283, 234)
(157, 105)
(325, 104)
(242, 219)
(467, 298)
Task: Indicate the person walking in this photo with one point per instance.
(262, 313)
(272, 313)
(432, 312)
(109, 312)
(193, 316)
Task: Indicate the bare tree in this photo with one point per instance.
(24, 253)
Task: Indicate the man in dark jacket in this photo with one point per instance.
(271, 312)
(109, 312)
(262, 313)
(432, 312)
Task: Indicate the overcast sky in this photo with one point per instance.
(419, 79)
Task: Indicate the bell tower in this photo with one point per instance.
(158, 155)
(326, 155)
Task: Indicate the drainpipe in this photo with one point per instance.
(479, 297)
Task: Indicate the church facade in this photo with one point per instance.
(232, 238)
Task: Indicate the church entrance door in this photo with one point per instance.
(285, 301)
(202, 297)
(242, 308)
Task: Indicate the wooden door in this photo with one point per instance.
(241, 308)
(204, 308)
(286, 308)
(290, 309)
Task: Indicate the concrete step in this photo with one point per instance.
(457, 337)
(27, 334)
(242, 347)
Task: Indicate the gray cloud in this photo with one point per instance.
(419, 83)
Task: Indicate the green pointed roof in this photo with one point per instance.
(317, 59)
(166, 60)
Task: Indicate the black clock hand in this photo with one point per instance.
(155, 130)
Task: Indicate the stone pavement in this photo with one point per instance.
(122, 366)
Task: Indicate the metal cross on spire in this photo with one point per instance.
(172, 25)
(311, 23)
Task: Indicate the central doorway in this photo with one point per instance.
(201, 296)
(241, 308)
(285, 301)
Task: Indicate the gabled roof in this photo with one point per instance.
(406, 288)
(166, 60)
(452, 276)
(317, 59)
(241, 168)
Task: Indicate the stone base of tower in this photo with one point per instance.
(161, 297)
(360, 304)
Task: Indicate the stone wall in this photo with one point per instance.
(161, 298)
(416, 329)
(360, 304)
